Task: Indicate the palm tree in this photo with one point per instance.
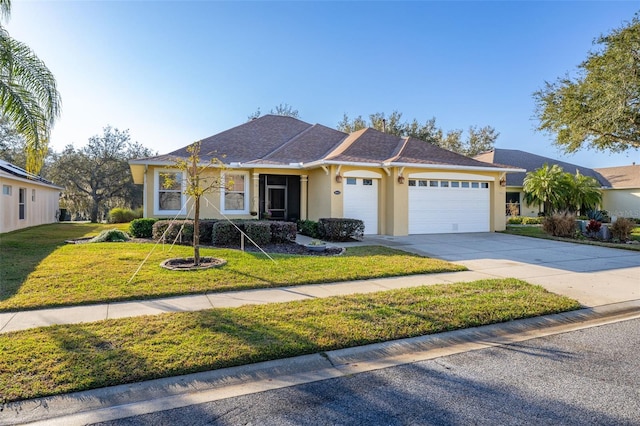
(28, 95)
(584, 192)
(546, 186)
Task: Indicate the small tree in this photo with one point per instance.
(546, 186)
(197, 184)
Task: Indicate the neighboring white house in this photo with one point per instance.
(26, 200)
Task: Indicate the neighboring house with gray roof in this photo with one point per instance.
(620, 185)
(26, 199)
(295, 170)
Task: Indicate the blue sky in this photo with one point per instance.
(176, 72)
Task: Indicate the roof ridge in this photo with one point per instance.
(290, 141)
(345, 143)
(399, 148)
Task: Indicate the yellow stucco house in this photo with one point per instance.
(287, 169)
(26, 200)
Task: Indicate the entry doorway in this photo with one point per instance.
(280, 197)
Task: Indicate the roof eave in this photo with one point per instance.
(454, 167)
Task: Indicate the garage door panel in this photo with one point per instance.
(361, 202)
(448, 210)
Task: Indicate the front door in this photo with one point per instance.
(277, 201)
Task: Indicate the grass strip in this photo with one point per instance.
(537, 232)
(40, 272)
(66, 358)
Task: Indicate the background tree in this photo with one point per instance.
(600, 108)
(557, 190)
(97, 177)
(584, 193)
(282, 109)
(547, 186)
(477, 139)
(28, 95)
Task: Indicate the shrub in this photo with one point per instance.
(308, 228)
(225, 233)
(110, 236)
(336, 229)
(531, 220)
(593, 227)
(283, 232)
(142, 228)
(595, 215)
(515, 220)
(560, 224)
(120, 215)
(180, 231)
(621, 228)
(258, 231)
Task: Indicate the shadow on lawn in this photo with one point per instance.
(23, 250)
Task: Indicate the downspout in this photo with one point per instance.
(144, 192)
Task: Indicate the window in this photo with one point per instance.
(464, 184)
(484, 185)
(433, 183)
(423, 183)
(351, 181)
(22, 205)
(169, 188)
(444, 184)
(455, 184)
(6, 189)
(367, 182)
(412, 182)
(33, 195)
(235, 196)
(475, 185)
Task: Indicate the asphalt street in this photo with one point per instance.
(585, 377)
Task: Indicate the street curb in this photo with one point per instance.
(122, 401)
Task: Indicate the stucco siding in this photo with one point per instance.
(41, 204)
(622, 202)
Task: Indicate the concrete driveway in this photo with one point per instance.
(593, 275)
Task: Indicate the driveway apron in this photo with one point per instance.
(590, 274)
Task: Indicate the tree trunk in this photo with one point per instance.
(95, 208)
(196, 233)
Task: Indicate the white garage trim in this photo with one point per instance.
(363, 174)
(451, 176)
(438, 206)
(361, 201)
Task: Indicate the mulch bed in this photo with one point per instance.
(283, 248)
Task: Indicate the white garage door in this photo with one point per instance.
(447, 206)
(361, 202)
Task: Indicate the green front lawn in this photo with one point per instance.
(37, 269)
(537, 232)
(66, 358)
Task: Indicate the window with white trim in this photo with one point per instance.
(33, 195)
(351, 181)
(235, 197)
(6, 189)
(22, 203)
(169, 189)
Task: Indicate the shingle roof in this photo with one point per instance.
(621, 176)
(419, 151)
(278, 140)
(368, 146)
(530, 162)
(249, 141)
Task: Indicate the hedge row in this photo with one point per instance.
(222, 232)
(332, 229)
